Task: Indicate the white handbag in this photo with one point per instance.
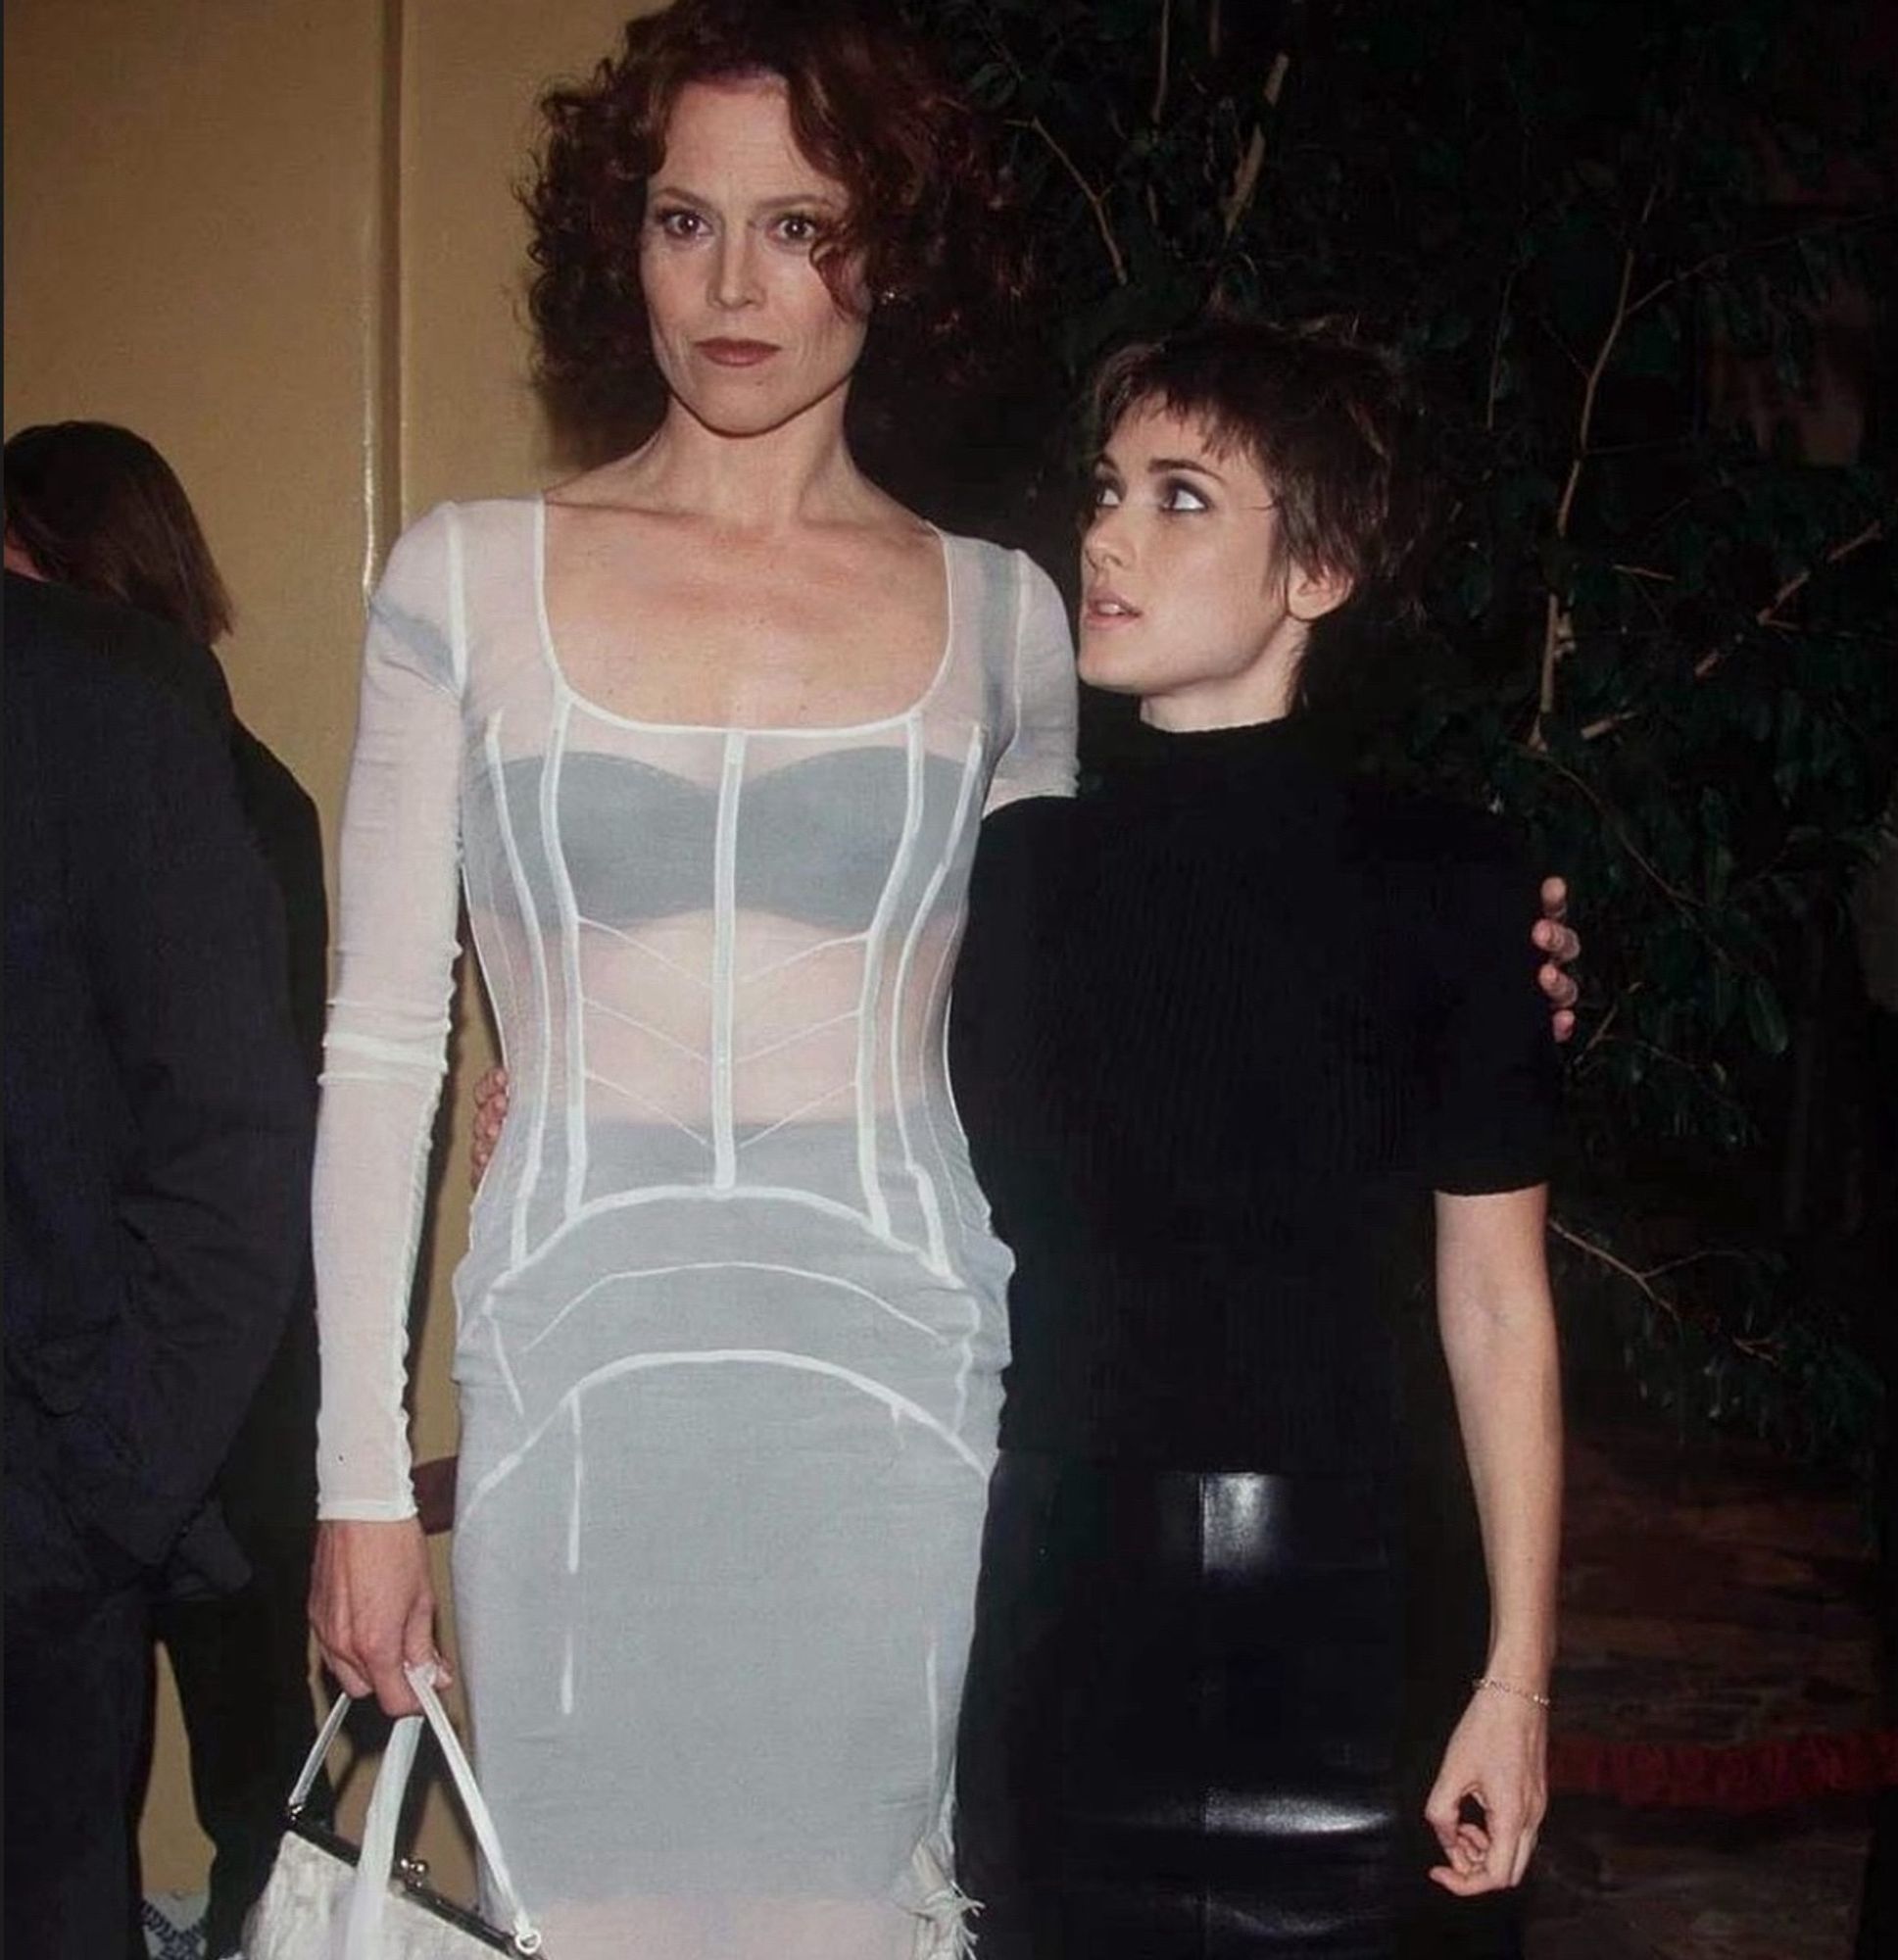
(327, 1901)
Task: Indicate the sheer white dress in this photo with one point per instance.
(731, 1319)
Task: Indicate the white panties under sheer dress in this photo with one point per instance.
(731, 1320)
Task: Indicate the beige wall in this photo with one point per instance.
(278, 238)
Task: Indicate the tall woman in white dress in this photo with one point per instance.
(704, 739)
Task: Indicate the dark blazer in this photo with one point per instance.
(157, 1114)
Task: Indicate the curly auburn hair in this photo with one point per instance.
(930, 225)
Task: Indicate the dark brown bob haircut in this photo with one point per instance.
(929, 228)
(98, 508)
(1329, 419)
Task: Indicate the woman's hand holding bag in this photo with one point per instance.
(327, 1901)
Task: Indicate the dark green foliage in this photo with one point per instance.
(1657, 637)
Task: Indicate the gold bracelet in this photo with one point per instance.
(1510, 1688)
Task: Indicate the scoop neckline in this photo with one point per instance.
(550, 653)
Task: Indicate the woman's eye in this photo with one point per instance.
(676, 224)
(799, 228)
(1106, 496)
(1177, 495)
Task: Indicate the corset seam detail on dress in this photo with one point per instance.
(691, 1193)
(574, 1496)
(876, 941)
(496, 962)
(555, 845)
(936, 1257)
(937, 992)
(505, 1366)
(724, 960)
(529, 1181)
(900, 1404)
(636, 1273)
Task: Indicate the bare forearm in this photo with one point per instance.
(1512, 1430)
(1498, 1331)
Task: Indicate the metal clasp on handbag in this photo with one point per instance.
(522, 1938)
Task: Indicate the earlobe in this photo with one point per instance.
(1312, 595)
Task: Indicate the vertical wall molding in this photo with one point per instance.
(384, 457)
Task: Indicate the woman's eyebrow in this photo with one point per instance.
(802, 200)
(1160, 465)
(810, 200)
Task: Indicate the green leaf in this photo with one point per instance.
(1766, 1019)
(1719, 875)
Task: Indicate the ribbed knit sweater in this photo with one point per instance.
(1220, 1026)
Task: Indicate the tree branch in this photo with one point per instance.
(1655, 1051)
(1768, 613)
(1633, 1274)
(1558, 627)
(1715, 657)
(1562, 347)
(1097, 203)
(1617, 829)
(1600, 1034)
(1763, 1352)
(1871, 534)
(1495, 349)
(1716, 260)
(1163, 78)
(1245, 178)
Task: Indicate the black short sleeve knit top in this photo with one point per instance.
(1219, 1027)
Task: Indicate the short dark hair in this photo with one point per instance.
(98, 508)
(930, 221)
(1330, 420)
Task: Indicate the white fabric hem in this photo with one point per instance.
(365, 1511)
(943, 1911)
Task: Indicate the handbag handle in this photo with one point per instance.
(369, 1894)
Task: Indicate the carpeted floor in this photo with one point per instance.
(1711, 1595)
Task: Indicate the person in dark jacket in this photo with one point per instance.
(156, 1124)
(96, 508)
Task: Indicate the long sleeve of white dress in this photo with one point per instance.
(386, 1044)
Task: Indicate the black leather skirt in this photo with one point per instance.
(1181, 1727)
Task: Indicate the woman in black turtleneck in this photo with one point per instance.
(1222, 1026)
